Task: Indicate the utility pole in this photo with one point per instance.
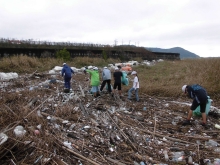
(116, 42)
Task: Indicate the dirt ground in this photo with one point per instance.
(76, 128)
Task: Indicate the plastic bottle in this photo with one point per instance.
(217, 149)
(3, 138)
(217, 126)
(166, 155)
(178, 156)
(144, 108)
(213, 143)
(142, 163)
(136, 163)
(216, 161)
(190, 161)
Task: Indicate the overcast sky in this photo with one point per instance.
(191, 24)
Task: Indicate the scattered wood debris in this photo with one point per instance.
(76, 128)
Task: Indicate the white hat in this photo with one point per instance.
(64, 63)
(95, 68)
(105, 67)
(116, 68)
(184, 88)
(134, 72)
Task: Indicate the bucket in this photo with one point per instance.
(197, 112)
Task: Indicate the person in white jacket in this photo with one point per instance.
(135, 86)
(106, 77)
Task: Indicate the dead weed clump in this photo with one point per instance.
(166, 78)
(26, 64)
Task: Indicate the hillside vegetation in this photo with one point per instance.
(183, 53)
(164, 79)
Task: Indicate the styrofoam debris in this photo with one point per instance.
(19, 131)
(3, 138)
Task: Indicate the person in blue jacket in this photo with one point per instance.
(200, 98)
(106, 77)
(67, 75)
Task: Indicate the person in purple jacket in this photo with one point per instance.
(67, 75)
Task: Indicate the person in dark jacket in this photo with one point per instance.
(200, 98)
(67, 75)
(117, 80)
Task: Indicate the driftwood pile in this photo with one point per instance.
(76, 128)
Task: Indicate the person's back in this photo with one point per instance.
(67, 74)
(106, 74)
(94, 81)
(196, 91)
(200, 98)
(106, 77)
(117, 76)
(66, 71)
(94, 77)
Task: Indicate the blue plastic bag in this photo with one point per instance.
(197, 112)
(106, 87)
(124, 79)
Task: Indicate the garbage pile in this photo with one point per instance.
(41, 124)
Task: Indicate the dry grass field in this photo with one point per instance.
(163, 79)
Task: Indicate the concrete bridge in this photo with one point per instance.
(48, 49)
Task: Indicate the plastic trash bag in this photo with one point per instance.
(124, 79)
(197, 112)
(106, 87)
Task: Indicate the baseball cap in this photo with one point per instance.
(134, 72)
(184, 88)
(95, 68)
(64, 63)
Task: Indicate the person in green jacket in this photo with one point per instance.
(95, 81)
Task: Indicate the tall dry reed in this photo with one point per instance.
(163, 79)
(166, 78)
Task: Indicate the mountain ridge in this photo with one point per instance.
(183, 53)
